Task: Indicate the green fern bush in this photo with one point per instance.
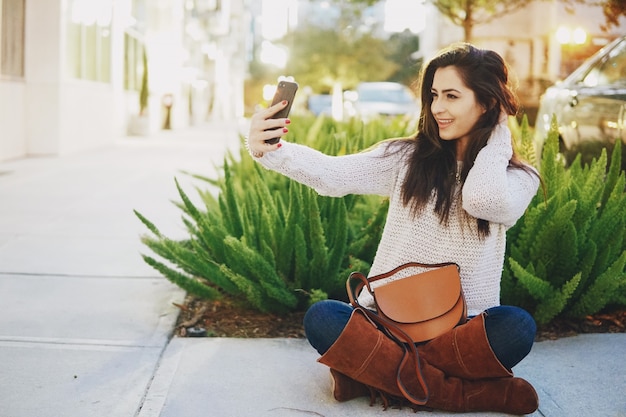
(566, 256)
(277, 245)
(270, 241)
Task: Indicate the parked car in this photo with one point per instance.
(590, 105)
(320, 104)
(385, 99)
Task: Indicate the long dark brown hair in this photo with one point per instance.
(433, 161)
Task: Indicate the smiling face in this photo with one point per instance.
(454, 106)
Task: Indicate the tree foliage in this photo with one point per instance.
(344, 50)
(347, 50)
(469, 13)
(321, 57)
(613, 10)
(402, 48)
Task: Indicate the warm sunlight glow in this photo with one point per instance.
(562, 35)
(268, 91)
(402, 14)
(579, 36)
(272, 54)
(277, 17)
(88, 12)
(565, 35)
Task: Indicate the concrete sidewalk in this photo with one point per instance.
(87, 325)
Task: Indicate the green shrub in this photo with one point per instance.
(566, 256)
(279, 246)
(270, 241)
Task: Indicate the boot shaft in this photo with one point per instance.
(345, 388)
(365, 354)
(465, 352)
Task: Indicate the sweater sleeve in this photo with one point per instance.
(494, 190)
(369, 172)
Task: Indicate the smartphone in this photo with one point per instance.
(286, 90)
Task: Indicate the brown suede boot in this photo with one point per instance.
(365, 354)
(465, 352)
(345, 388)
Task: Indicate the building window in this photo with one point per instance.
(134, 45)
(12, 38)
(89, 40)
(133, 62)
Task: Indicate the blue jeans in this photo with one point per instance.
(510, 330)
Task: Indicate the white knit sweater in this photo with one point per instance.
(492, 191)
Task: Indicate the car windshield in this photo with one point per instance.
(609, 71)
(384, 94)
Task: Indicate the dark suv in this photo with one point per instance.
(590, 105)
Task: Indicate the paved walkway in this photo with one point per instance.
(86, 329)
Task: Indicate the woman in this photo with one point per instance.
(454, 189)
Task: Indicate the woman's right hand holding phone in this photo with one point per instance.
(263, 128)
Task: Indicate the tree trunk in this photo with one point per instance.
(468, 23)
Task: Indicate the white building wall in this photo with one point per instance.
(62, 115)
(42, 76)
(125, 103)
(12, 119)
(166, 55)
(49, 113)
(87, 116)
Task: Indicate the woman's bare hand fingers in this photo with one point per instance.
(266, 114)
(263, 128)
